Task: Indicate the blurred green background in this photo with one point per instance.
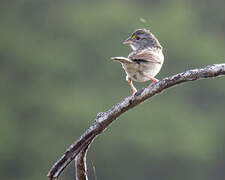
(56, 75)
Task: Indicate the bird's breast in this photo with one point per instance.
(141, 71)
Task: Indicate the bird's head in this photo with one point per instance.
(141, 39)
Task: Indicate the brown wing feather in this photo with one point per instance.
(148, 55)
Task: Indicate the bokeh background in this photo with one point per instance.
(56, 75)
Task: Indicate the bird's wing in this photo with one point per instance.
(122, 59)
(145, 55)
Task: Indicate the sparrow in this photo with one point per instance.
(146, 59)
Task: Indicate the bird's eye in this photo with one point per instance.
(134, 36)
(137, 38)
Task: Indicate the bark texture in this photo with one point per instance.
(81, 165)
(104, 119)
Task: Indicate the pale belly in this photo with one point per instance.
(141, 72)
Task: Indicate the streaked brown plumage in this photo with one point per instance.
(146, 59)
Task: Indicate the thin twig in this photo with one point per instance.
(94, 171)
(103, 120)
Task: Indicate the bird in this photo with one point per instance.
(146, 59)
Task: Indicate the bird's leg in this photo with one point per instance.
(152, 78)
(132, 86)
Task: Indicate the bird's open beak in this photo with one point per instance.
(128, 41)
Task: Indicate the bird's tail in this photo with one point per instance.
(122, 60)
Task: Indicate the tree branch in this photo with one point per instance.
(103, 120)
(80, 164)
